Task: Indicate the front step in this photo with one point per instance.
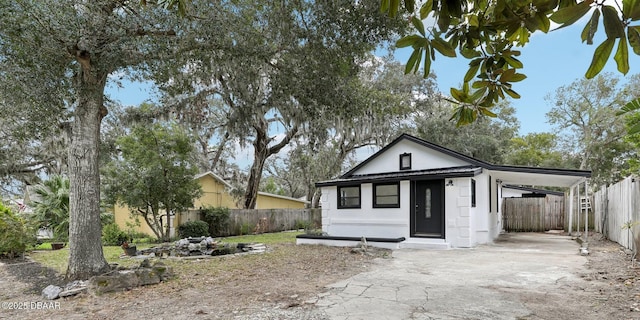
(433, 244)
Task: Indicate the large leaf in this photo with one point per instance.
(631, 9)
(633, 34)
(393, 8)
(474, 65)
(568, 15)
(631, 106)
(409, 40)
(622, 56)
(410, 5)
(384, 5)
(414, 61)
(427, 60)
(612, 24)
(591, 27)
(600, 57)
(417, 23)
(426, 8)
(443, 47)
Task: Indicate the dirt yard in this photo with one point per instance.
(282, 283)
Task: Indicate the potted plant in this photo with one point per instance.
(129, 249)
(58, 242)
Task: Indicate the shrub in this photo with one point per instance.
(113, 236)
(218, 220)
(195, 228)
(303, 224)
(14, 234)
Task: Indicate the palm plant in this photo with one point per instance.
(51, 206)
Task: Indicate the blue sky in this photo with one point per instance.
(550, 61)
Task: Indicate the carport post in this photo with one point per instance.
(571, 210)
(579, 210)
(586, 213)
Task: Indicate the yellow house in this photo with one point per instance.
(215, 193)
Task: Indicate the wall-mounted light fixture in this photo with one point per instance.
(449, 183)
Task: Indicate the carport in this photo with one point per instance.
(576, 180)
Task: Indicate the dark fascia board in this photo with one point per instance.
(533, 190)
(400, 176)
(422, 142)
(562, 172)
(471, 160)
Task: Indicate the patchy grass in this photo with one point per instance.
(57, 259)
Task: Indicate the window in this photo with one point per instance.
(386, 195)
(473, 193)
(405, 161)
(349, 197)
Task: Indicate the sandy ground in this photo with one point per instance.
(286, 282)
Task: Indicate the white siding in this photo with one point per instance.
(421, 158)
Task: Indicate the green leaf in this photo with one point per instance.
(478, 94)
(408, 40)
(417, 23)
(393, 8)
(568, 15)
(384, 5)
(600, 57)
(634, 129)
(427, 60)
(474, 65)
(622, 56)
(631, 9)
(633, 34)
(469, 53)
(513, 62)
(591, 27)
(459, 95)
(487, 112)
(444, 20)
(410, 5)
(413, 63)
(512, 93)
(443, 47)
(517, 77)
(426, 8)
(612, 24)
(631, 106)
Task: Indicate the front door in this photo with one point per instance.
(427, 218)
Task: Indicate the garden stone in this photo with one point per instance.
(120, 281)
(72, 292)
(51, 292)
(147, 276)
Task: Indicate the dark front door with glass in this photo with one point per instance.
(427, 216)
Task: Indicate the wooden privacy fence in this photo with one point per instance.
(533, 214)
(249, 221)
(617, 207)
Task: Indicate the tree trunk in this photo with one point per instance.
(86, 258)
(260, 154)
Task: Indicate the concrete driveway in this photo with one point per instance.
(458, 283)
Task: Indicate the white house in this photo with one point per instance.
(415, 194)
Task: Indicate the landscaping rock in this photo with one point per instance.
(117, 281)
(72, 292)
(51, 292)
(163, 271)
(147, 276)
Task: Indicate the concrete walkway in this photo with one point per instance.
(457, 283)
